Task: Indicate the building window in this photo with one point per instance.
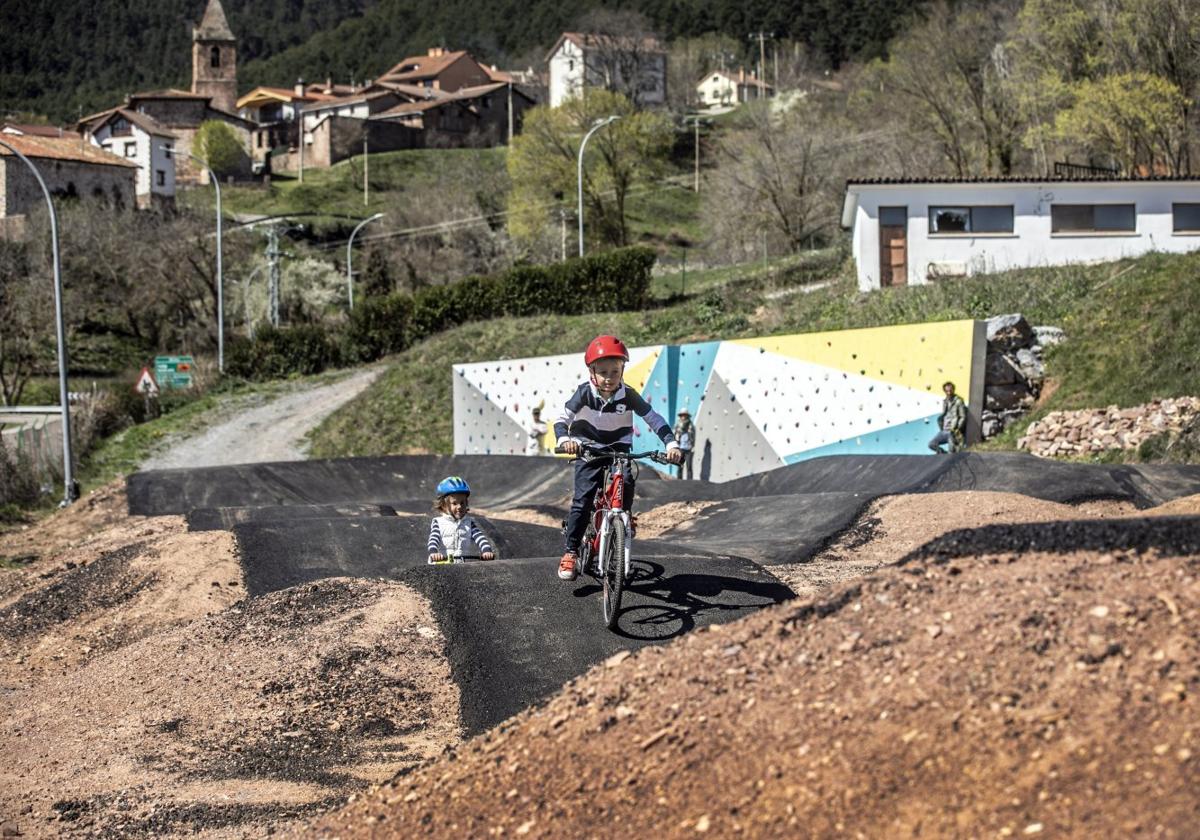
(160, 177)
(214, 57)
(1186, 218)
(130, 150)
(981, 219)
(1093, 218)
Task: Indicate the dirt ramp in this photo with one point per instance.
(1051, 693)
(62, 613)
(275, 707)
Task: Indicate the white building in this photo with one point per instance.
(724, 87)
(141, 140)
(913, 231)
(635, 66)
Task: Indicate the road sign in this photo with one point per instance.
(146, 384)
(173, 371)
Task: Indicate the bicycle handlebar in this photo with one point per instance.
(598, 452)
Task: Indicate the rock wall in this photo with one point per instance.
(1090, 431)
(1014, 369)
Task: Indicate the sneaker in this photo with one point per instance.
(568, 566)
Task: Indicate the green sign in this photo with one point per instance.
(173, 371)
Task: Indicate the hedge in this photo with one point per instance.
(608, 282)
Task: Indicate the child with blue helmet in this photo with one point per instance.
(453, 530)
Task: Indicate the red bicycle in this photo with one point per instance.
(606, 552)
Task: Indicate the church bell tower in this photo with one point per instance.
(214, 59)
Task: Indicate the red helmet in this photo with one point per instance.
(604, 347)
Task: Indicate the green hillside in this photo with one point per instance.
(1132, 337)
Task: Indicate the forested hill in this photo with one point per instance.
(77, 56)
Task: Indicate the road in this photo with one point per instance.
(273, 431)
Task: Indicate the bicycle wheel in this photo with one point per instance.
(614, 574)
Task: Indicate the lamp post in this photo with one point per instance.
(70, 490)
(599, 124)
(350, 256)
(212, 176)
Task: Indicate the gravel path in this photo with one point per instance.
(272, 431)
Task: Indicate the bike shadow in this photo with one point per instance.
(658, 607)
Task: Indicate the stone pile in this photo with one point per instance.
(1067, 433)
(1014, 370)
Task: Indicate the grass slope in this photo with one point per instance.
(1133, 336)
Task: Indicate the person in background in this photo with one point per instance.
(453, 530)
(685, 436)
(537, 434)
(952, 422)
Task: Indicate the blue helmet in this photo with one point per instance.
(452, 484)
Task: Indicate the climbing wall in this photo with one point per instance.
(757, 403)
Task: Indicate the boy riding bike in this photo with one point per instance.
(600, 413)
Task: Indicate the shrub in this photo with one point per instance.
(275, 353)
(612, 281)
(379, 326)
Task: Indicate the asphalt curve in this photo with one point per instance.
(514, 632)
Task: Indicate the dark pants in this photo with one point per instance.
(943, 437)
(589, 477)
(686, 464)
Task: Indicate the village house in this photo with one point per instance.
(140, 139)
(276, 112)
(915, 231)
(440, 69)
(635, 66)
(722, 87)
(181, 112)
(70, 167)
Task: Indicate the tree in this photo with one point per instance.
(1134, 117)
(377, 276)
(623, 53)
(948, 78)
(781, 176)
(542, 164)
(217, 145)
(26, 311)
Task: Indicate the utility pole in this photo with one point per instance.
(510, 112)
(696, 124)
(273, 255)
(562, 220)
(366, 163)
(762, 57)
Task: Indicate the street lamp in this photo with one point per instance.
(350, 255)
(212, 177)
(71, 491)
(599, 124)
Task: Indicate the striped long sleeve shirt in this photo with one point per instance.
(453, 537)
(589, 418)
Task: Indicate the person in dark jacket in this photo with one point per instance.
(685, 436)
(952, 422)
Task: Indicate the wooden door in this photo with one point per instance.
(893, 246)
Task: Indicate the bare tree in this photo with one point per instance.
(26, 312)
(780, 176)
(623, 55)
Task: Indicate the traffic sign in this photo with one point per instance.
(146, 384)
(174, 371)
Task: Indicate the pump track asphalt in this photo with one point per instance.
(514, 632)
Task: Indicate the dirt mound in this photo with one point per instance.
(275, 707)
(997, 695)
(1187, 506)
(124, 583)
(893, 526)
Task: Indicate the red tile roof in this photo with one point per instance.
(63, 148)
(33, 130)
(422, 66)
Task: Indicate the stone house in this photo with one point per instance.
(441, 69)
(635, 66)
(70, 167)
(213, 97)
